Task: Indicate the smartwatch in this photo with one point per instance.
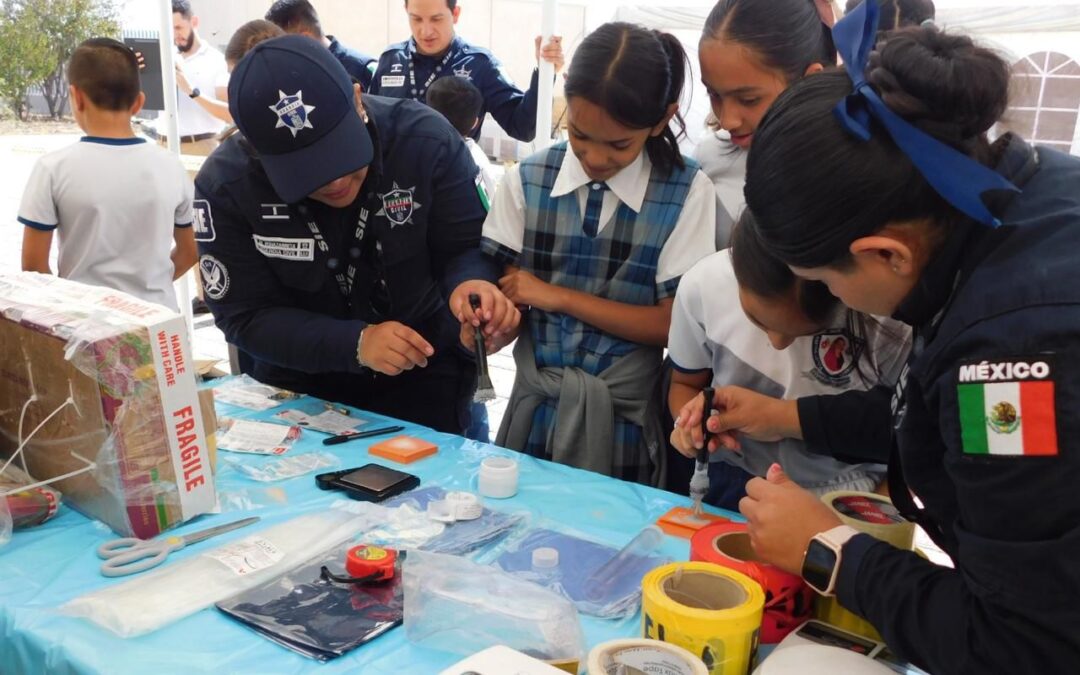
(195, 93)
(821, 564)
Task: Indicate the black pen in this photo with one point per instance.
(343, 438)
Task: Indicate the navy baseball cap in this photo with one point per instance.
(294, 102)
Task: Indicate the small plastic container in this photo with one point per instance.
(498, 478)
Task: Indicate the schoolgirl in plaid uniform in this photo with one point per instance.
(595, 235)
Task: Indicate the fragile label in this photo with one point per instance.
(258, 438)
(248, 555)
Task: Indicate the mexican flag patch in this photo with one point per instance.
(1007, 408)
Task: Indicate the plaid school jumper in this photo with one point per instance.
(619, 264)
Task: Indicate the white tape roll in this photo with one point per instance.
(454, 507)
(647, 656)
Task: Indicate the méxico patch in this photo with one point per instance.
(1007, 408)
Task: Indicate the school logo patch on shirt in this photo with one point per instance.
(215, 277)
(399, 206)
(203, 223)
(396, 68)
(391, 81)
(1007, 408)
(835, 354)
(285, 248)
(292, 113)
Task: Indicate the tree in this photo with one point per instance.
(64, 24)
(25, 58)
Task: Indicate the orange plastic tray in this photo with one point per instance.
(681, 522)
(403, 449)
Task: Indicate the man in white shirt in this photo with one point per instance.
(202, 78)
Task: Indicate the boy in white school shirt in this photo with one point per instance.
(460, 102)
(120, 204)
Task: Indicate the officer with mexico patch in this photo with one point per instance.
(976, 245)
(408, 69)
(336, 234)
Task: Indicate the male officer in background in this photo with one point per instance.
(332, 231)
(408, 69)
(300, 17)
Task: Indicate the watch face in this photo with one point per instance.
(818, 565)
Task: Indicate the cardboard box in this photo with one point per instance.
(134, 408)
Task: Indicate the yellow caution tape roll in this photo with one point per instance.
(873, 514)
(830, 611)
(711, 611)
(648, 656)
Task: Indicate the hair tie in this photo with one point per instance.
(958, 179)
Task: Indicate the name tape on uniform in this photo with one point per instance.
(286, 248)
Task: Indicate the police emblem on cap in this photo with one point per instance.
(399, 206)
(292, 113)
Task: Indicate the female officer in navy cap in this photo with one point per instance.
(905, 209)
(336, 233)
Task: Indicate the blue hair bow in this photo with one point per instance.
(959, 180)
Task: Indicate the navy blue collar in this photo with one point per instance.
(112, 141)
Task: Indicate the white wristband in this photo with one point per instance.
(359, 345)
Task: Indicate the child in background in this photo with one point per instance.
(460, 102)
(595, 236)
(824, 349)
(122, 206)
(750, 52)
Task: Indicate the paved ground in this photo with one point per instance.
(17, 156)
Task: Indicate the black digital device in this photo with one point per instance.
(150, 74)
(818, 566)
(369, 483)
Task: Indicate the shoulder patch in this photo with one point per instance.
(215, 277)
(1008, 407)
(204, 221)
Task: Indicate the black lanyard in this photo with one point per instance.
(347, 277)
(419, 94)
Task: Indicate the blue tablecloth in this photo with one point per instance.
(45, 567)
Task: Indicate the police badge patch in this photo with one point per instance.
(399, 206)
(292, 113)
(215, 277)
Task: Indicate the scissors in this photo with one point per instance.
(131, 556)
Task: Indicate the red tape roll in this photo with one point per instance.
(363, 561)
(787, 597)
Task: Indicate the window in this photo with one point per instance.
(1046, 101)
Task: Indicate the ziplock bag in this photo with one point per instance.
(284, 468)
(177, 589)
(615, 597)
(454, 605)
(464, 536)
(316, 616)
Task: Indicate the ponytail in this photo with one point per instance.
(635, 75)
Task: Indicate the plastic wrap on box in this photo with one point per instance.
(105, 376)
